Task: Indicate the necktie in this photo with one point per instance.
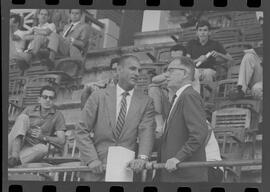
(67, 31)
(121, 116)
(173, 98)
(166, 121)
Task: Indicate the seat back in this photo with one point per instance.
(233, 72)
(227, 35)
(231, 118)
(223, 89)
(230, 142)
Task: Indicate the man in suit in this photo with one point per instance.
(186, 128)
(117, 116)
(74, 39)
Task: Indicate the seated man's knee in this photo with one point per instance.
(33, 154)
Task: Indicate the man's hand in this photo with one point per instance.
(96, 166)
(171, 164)
(36, 132)
(137, 165)
(257, 90)
(215, 54)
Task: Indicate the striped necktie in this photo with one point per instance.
(67, 31)
(121, 116)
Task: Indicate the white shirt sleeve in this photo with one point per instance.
(52, 27)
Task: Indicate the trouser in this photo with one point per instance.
(38, 42)
(249, 74)
(60, 45)
(206, 74)
(28, 152)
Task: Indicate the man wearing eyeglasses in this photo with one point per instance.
(185, 129)
(34, 128)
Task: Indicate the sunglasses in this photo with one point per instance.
(171, 70)
(46, 97)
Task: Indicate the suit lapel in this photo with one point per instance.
(111, 102)
(74, 28)
(174, 111)
(133, 108)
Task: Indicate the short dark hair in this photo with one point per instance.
(48, 88)
(81, 11)
(17, 18)
(202, 23)
(38, 11)
(179, 47)
(188, 63)
(125, 57)
(114, 60)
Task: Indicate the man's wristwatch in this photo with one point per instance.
(143, 157)
(45, 139)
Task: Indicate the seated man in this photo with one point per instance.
(17, 43)
(74, 39)
(251, 73)
(39, 34)
(34, 129)
(205, 52)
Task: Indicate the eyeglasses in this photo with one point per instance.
(171, 70)
(46, 97)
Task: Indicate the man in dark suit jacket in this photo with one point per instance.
(74, 39)
(186, 129)
(102, 116)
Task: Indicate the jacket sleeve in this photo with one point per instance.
(85, 126)
(195, 121)
(147, 129)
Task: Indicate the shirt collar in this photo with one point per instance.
(199, 43)
(76, 23)
(37, 108)
(119, 91)
(43, 24)
(252, 51)
(180, 90)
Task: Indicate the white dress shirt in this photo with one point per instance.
(178, 93)
(119, 96)
(47, 25)
(74, 25)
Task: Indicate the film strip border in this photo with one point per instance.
(81, 187)
(133, 187)
(152, 3)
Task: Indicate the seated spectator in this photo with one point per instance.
(251, 74)
(206, 53)
(34, 128)
(73, 41)
(17, 43)
(91, 87)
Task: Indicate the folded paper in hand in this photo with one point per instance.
(116, 168)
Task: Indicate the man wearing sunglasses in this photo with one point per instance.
(34, 128)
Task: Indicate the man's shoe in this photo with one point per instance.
(236, 94)
(14, 161)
